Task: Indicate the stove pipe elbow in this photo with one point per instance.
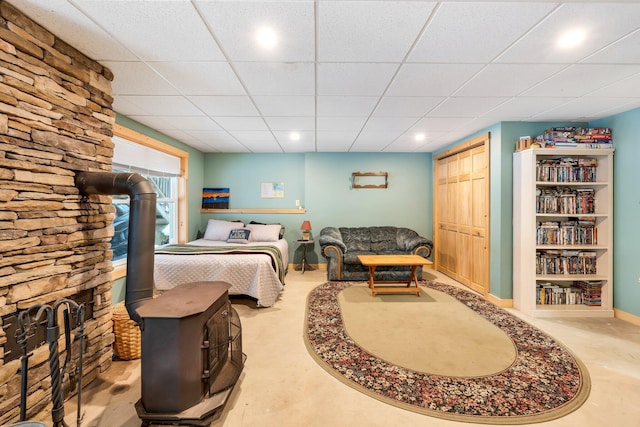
(142, 220)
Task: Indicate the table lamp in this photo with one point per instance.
(306, 228)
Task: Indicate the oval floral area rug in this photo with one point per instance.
(448, 354)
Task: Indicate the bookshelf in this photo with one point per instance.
(563, 232)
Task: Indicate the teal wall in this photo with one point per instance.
(626, 209)
(322, 183)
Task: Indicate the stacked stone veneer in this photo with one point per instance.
(56, 119)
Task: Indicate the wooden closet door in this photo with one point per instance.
(479, 279)
(462, 214)
(464, 249)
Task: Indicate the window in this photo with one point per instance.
(165, 167)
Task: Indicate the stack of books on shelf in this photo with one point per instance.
(591, 292)
(565, 200)
(554, 262)
(574, 231)
(575, 137)
(580, 292)
(566, 169)
(547, 293)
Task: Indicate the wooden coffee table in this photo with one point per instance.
(413, 261)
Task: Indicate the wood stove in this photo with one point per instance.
(191, 354)
(191, 336)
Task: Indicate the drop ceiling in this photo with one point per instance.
(352, 76)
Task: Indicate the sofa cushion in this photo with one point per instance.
(383, 239)
(356, 239)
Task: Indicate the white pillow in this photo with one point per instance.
(219, 230)
(264, 232)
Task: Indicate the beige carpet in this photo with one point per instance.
(431, 333)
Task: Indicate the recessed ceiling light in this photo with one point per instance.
(267, 37)
(294, 136)
(419, 136)
(571, 38)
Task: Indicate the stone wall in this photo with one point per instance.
(56, 119)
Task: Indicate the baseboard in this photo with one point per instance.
(500, 302)
(627, 317)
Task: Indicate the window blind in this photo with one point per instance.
(137, 158)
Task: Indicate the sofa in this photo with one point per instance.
(342, 245)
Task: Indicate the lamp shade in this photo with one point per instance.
(306, 226)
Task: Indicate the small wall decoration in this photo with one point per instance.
(215, 198)
(272, 190)
(369, 180)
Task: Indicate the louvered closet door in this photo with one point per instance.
(461, 214)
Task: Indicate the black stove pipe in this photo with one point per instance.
(142, 220)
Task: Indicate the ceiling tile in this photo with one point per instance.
(603, 23)
(70, 24)
(291, 124)
(523, 108)
(137, 78)
(291, 78)
(329, 141)
(298, 146)
(629, 87)
(151, 28)
(439, 124)
(431, 79)
(200, 78)
(351, 106)
(306, 143)
(458, 106)
(583, 109)
(369, 31)
(162, 105)
(220, 141)
(189, 123)
(285, 105)
(623, 51)
(507, 79)
(340, 123)
(241, 123)
(235, 25)
(156, 122)
(225, 105)
(371, 141)
(357, 79)
(408, 141)
(406, 106)
(581, 79)
(389, 123)
(263, 146)
(458, 30)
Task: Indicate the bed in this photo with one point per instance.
(252, 258)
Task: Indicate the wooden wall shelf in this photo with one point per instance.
(255, 211)
(369, 180)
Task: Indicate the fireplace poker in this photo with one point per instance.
(26, 324)
(22, 335)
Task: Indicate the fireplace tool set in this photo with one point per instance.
(73, 318)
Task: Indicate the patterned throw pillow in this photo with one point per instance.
(239, 235)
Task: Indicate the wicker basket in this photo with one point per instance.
(127, 332)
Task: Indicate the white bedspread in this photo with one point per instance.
(248, 274)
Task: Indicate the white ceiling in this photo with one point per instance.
(359, 76)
